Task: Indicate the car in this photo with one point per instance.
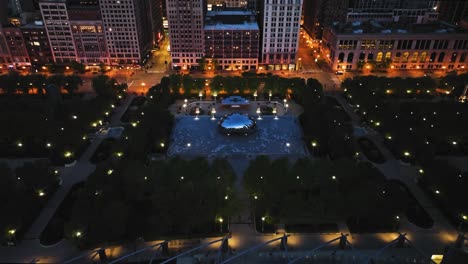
(339, 73)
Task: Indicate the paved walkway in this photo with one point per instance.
(396, 170)
(30, 245)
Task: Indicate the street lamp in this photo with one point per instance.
(258, 113)
(463, 220)
(269, 95)
(215, 94)
(263, 223)
(255, 95)
(286, 106)
(197, 111)
(200, 94)
(213, 112)
(220, 220)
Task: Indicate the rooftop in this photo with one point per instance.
(374, 27)
(230, 20)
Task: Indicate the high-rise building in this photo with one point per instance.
(37, 44)
(5, 58)
(57, 24)
(16, 46)
(157, 20)
(321, 13)
(88, 33)
(185, 19)
(281, 25)
(232, 39)
(228, 3)
(19, 6)
(453, 11)
(127, 26)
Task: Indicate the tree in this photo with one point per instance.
(202, 63)
(187, 81)
(72, 82)
(77, 67)
(106, 87)
(57, 79)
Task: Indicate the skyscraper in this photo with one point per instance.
(453, 11)
(57, 24)
(281, 33)
(127, 26)
(185, 19)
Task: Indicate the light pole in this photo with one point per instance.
(200, 94)
(463, 219)
(269, 95)
(215, 94)
(197, 111)
(263, 223)
(258, 113)
(213, 112)
(255, 95)
(286, 107)
(220, 224)
(275, 113)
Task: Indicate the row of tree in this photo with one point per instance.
(174, 197)
(248, 82)
(13, 83)
(321, 191)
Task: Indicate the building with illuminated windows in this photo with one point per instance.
(232, 40)
(281, 25)
(373, 46)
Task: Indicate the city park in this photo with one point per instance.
(306, 171)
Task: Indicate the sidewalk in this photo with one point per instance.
(30, 246)
(394, 169)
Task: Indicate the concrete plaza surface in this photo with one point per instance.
(281, 137)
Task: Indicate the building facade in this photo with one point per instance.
(37, 44)
(17, 47)
(127, 28)
(453, 11)
(88, 34)
(185, 18)
(58, 28)
(280, 34)
(388, 46)
(232, 40)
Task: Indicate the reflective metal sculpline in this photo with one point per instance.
(237, 124)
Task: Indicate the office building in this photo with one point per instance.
(16, 47)
(58, 28)
(382, 46)
(454, 11)
(281, 25)
(185, 18)
(37, 44)
(127, 26)
(232, 40)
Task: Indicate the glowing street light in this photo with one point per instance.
(110, 171)
(189, 145)
(213, 112)
(12, 232)
(263, 223)
(19, 144)
(162, 144)
(200, 94)
(197, 111)
(215, 94)
(67, 154)
(259, 113)
(255, 95)
(78, 234)
(269, 95)
(40, 193)
(288, 144)
(220, 220)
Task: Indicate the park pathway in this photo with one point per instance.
(396, 170)
(70, 176)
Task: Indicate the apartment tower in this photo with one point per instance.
(127, 26)
(281, 25)
(185, 18)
